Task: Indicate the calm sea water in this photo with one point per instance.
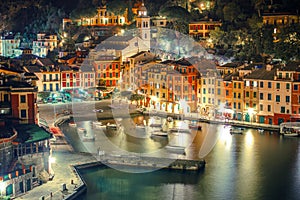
(249, 166)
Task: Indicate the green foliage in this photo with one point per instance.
(118, 7)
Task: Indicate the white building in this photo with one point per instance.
(9, 42)
(43, 44)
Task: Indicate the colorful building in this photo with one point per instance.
(8, 43)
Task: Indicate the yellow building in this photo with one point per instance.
(280, 19)
(102, 18)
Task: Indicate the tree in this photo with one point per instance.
(117, 7)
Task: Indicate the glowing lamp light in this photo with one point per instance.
(52, 159)
(2, 187)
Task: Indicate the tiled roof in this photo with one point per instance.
(86, 68)
(262, 74)
(45, 62)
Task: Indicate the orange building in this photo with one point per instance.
(201, 29)
(107, 69)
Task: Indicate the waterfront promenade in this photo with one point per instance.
(66, 158)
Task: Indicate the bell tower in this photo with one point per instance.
(143, 25)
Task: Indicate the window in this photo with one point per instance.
(247, 105)
(261, 84)
(277, 85)
(261, 96)
(282, 109)
(239, 85)
(22, 99)
(261, 107)
(287, 99)
(277, 98)
(219, 91)
(117, 75)
(234, 105)
(254, 94)
(234, 95)
(234, 85)
(204, 100)
(269, 85)
(239, 105)
(23, 114)
(227, 92)
(269, 108)
(254, 105)
(204, 91)
(295, 87)
(287, 86)
(247, 94)
(269, 97)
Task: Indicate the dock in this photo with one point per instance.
(152, 162)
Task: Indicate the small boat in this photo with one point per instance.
(290, 134)
(113, 129)
(176, 149)
(98, 125)
(181, 130)
(260, 130)
(159, 134)
(81, 130)
(236, 131)
(72, 124)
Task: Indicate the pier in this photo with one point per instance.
(152, 162)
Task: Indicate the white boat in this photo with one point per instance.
(176, 149)
(290, 129)
(236, 131)
(98, 125)
(159, 134)
(81, 130)
(72, 124)
(113, 129)
(180, 130)
(290, 134)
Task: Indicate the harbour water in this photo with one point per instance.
(253, 165)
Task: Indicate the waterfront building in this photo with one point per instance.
(70, 77)
(8, 43)
(87, 76)
(157, 86)
(209, 92)
(48, 77)
(295, 98)
(182, 85)
(201, 29)
(107, 69)
(283, 89)
(43, 44)
(132, 69)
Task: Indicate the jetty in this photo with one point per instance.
(152, 162)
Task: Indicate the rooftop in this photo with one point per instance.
(28, 133)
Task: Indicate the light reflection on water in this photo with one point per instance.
(249, 166)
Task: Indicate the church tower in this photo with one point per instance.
(143, 25)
